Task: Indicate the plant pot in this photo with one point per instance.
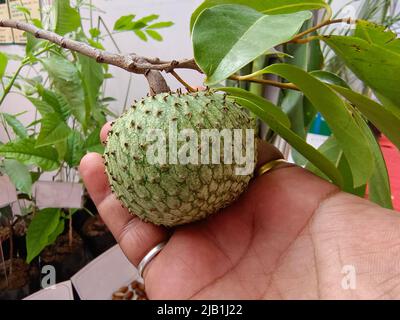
(67, 259)
(96, 235)
(22, 281)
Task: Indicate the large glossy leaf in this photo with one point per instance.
(264, 6)
(379, 184)
(67, 19)
(66, 80)
(340, 120)
(374, 57)
(330, 78)
(300, 111)
(270, 109)
(41, 228)
(16, 125)
(24, 151)
(262, 111)
(53, 129)
(19, 175)
(228, 37)
(374, 33)
(332, 150)
(383, 119)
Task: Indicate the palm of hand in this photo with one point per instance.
(236, 253)
(289, 236)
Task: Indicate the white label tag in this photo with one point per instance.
(115, 269)
(50, 194)
(60, 291)
(8, 194)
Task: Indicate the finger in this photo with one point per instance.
(134, 236)
(104, 131)
(266, 153)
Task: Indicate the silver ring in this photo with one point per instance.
(150, 256)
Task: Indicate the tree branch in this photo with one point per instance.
(130, 62)
(149, 67)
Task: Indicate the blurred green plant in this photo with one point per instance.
(67, 91)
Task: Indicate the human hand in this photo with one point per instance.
(289, 236)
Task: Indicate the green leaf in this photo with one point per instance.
(379, 184)
(56, 101)
(338, 117)
(300, 111)
(54, 235)
(382, 118)
(329, 78)
(42, 226)
(41, 106)
(19, 175)
(23, 9)
(16, 125)
(374, 33)
(376, 64)
(3, 64)
(75, 149)
(149, 18)
(33, 44)
(251, 102)
(94, 32)
(124, 22)
(266, 6)
(93, 142)
(35, 176)
(61, 148)
(66, 80)
(92, 76)
(53, 129)
(160, 25)
(140, 34)
(227, 37)
(67, 19)
(269, 108)
(24, 150)
(154, 34)
(95, 44)
(332, 150)
(37, 23)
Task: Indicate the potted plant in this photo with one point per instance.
(17, 278)
(71, 108)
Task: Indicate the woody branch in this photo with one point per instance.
(149, 67)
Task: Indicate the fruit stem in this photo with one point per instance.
(183, 82)
(278, 84)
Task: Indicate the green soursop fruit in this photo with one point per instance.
(156, 156)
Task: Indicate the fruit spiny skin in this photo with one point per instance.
(173, 194)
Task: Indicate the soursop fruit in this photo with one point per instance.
(156, 158)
